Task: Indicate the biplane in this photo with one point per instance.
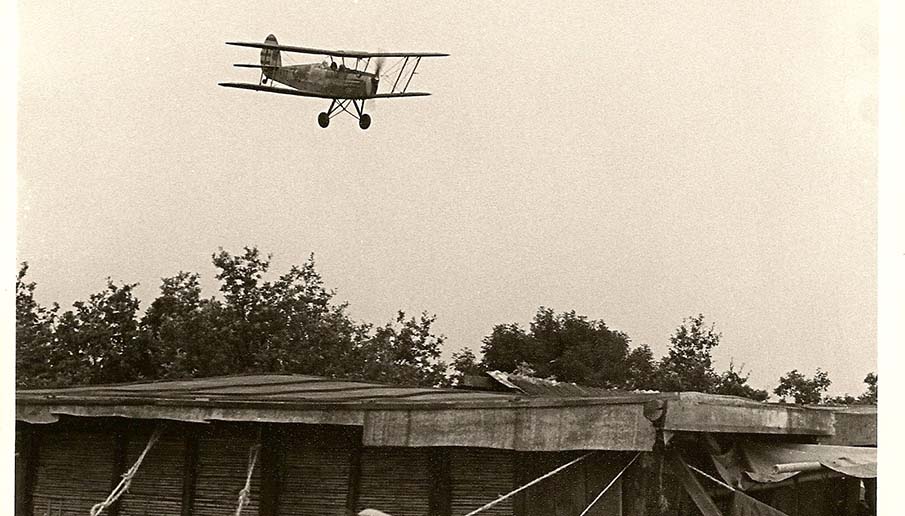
(346, 83)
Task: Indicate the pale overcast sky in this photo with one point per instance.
(636, 162)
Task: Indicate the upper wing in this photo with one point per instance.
(288, 91)
(335, 53)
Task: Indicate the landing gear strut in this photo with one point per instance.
(337, 105)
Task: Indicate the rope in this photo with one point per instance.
(608, 486)
(529, 484)
(123, 485)
(720, 482)
(244, 494)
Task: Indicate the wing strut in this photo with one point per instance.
(402, 74)
(417, 62)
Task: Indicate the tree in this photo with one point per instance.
(641, 369)
(405, 352)
(286, 325)
(464, 363)
(871, 396)
(688, 365)
(567, 346)
(803, 390)
(99, 340)
(733, 383)
(34, 335)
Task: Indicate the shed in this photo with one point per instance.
(306, 445)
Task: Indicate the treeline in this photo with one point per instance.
(292, 324)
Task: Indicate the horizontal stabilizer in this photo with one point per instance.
(261, 67)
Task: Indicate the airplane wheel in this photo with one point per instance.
(323, 120)
(365, 121)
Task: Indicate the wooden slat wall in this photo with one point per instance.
(479, 476)
(395, 481)
(75, 471)
(156, 489)
(314, 472)
(222, 466)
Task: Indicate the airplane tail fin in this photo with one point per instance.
(270, 56)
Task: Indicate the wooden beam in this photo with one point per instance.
(31, 456)
(520, 476)
(694, 488)
(440, 495)
(636, 487)
(120, 456)
(189, 471)
(271, 471)
(354, 473)
(693, 412)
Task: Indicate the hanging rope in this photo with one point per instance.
(123, 485)
(245, 493)
(608, 486)
(705, 475)
(529, 484)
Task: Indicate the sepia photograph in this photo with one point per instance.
(397, 258)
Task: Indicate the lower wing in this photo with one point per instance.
(299, 93)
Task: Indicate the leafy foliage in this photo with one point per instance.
(288, 325)
(803, 390)
(733, 383)
(869, 397)
(872, 395)
(292, 324)
(464, 363)
(566, 346)
(35, 349)
(688, 365)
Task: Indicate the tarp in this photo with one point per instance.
(761, 459)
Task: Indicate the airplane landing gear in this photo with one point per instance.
(337, 105)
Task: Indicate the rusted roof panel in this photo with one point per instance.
(555, 417)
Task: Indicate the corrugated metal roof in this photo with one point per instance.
(547, 387)
(251, 388)
(538, 416)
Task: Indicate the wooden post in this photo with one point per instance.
(354, 472)
(189, 470)
(870, 495)
(694, 488)
(271, 470)
(636, 486)
(440, 497)
(120, 452)
(520, 476)
(29, 454)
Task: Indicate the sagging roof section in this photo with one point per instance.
(513, 419)
(389, 415)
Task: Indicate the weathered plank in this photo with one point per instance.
(593, 427)
(692, 412)
(853, 428)
(694, 488)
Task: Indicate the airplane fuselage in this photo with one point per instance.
(325, 79)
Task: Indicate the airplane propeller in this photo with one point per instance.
(378, 66)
